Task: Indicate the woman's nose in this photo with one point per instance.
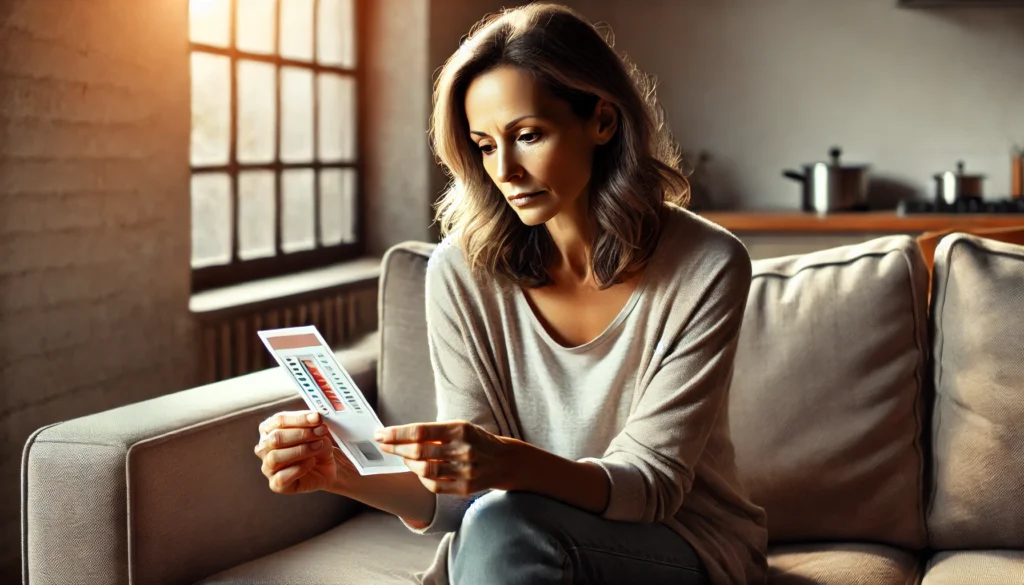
(508, 166)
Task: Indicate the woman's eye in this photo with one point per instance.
(486, 148)
(529, 137)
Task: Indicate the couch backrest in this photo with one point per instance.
(978, 425)
(826, 400)
(405, 380)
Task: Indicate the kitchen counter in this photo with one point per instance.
(854, 222)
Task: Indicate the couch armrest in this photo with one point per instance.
(168, 490)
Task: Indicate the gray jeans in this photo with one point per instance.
(520, 538)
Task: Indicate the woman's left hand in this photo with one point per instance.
(451, 457)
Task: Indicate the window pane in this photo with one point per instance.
(255, 214)
(296, 114)
(256, 110)
(337, 137)
(336, 33)
(208, 22)
(255, 26)
(297, 29)
(211, 109)
(297, 204)
(337, 206)
(211, 217)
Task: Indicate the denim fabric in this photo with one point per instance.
(519, 538)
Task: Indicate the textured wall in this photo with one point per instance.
(94, 218)
(397, 157)
(771, 85)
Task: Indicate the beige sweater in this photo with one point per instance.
(646, 400)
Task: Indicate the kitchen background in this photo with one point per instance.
(765, 86)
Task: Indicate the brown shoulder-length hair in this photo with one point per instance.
(633, 174)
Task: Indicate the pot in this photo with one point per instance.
(951, 187)
(831, 186)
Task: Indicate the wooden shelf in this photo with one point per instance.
(870, 221)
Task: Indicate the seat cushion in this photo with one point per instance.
(975, 567)
(373, 548)
(842, 564)
(826, 403)
(978, 439)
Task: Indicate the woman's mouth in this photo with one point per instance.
(525, 198)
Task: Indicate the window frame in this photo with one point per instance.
(237, 270)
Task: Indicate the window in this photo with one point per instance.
(274, 149)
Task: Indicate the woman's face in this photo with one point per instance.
(535, 149)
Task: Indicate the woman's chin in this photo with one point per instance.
(534, 217)
(536, 212)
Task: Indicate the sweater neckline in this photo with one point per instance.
(606, 334)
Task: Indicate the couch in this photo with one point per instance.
(881, 432)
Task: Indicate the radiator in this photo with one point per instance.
(230, 346)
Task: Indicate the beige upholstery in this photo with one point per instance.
(406, 379)
(372, 548)
(978, 567)
(978, 426)
(841, 564)
(167, 490)
(826, 415)
(826, 397)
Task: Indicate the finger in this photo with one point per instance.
(279, 459)
(283, 481)
(450, 451)
(288, 437)
(423, 432)
(440, 470)
(294, 418)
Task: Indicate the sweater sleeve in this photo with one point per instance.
(651, 462)
(458, 383)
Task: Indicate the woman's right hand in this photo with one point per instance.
(297, 452)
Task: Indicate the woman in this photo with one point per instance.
(582, 327)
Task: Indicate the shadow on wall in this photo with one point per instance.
(712, 186)
(886, 192)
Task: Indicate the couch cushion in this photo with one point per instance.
(405, 377)
(825, 405)
(978, 439)
(976, 567)
(841, 564)
(929, 241)
(372, 548)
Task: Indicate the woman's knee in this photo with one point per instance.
(505, 515)
(504, 532)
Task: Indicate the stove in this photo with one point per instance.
(962, 206)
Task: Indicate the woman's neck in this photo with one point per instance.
(572, 233)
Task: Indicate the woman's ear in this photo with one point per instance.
(604, 122)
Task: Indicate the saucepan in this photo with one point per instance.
(951, 187)
(831, 186)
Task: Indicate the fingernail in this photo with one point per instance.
(378, 435)
(313, 417)
(319, 431)
(317, 444)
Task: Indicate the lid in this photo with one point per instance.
(834, 153)
(959, 174)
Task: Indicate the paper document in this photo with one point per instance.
(328, 389)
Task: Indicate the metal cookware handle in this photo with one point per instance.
(795, 176)
(835, 152)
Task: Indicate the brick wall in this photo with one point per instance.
(94, 218)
